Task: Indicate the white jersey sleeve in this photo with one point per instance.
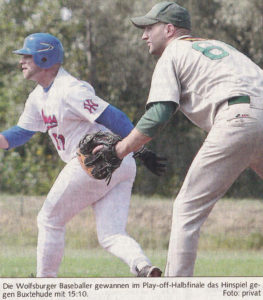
(84, 103)
(31, 118)
(165, 85)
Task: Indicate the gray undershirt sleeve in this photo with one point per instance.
(156, 117)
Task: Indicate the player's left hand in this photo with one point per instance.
(154, 163)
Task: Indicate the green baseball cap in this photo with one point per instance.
(166, 12)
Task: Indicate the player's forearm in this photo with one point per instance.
(133, 142)
(16, 136)
(3, 142)
(154, 119)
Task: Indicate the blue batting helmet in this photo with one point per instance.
(46, 49)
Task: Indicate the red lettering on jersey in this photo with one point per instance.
(90, 105)
(60, 141)
(50, 121)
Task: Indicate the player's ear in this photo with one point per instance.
(170, 30)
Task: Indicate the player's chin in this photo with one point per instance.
(155, 51)
(26, 74)
(151, 50)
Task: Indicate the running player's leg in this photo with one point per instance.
(111, 218)
(72, 191)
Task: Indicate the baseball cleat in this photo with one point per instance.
(149, 271)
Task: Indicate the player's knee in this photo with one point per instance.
(44, 220)
(40, 220)
(179, 208)
(42, 223)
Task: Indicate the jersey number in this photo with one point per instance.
(60, 141)
(209, 50)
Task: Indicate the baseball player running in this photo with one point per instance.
(220, 90)
(67, 109)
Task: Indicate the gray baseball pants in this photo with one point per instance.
(234, 143)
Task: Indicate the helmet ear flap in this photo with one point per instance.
(45, 48)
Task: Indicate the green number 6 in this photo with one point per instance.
(211, 51)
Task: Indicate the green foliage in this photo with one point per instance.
(102, 47)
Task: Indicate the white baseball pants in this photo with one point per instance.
(234, 143)
(73, 191)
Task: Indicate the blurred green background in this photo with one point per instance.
(102, 47)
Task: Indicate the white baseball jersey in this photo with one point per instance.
(199, 75)
(67, 111)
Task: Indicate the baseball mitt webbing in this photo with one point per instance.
(103, 163)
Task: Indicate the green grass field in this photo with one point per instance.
(98, 263)
(230, 241)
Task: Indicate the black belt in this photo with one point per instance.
(238, 99)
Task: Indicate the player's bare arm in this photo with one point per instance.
(3, 142)
(151, 123)
(119, 124)
(133, 142)
(154, 119)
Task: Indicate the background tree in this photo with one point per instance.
(102, 47)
